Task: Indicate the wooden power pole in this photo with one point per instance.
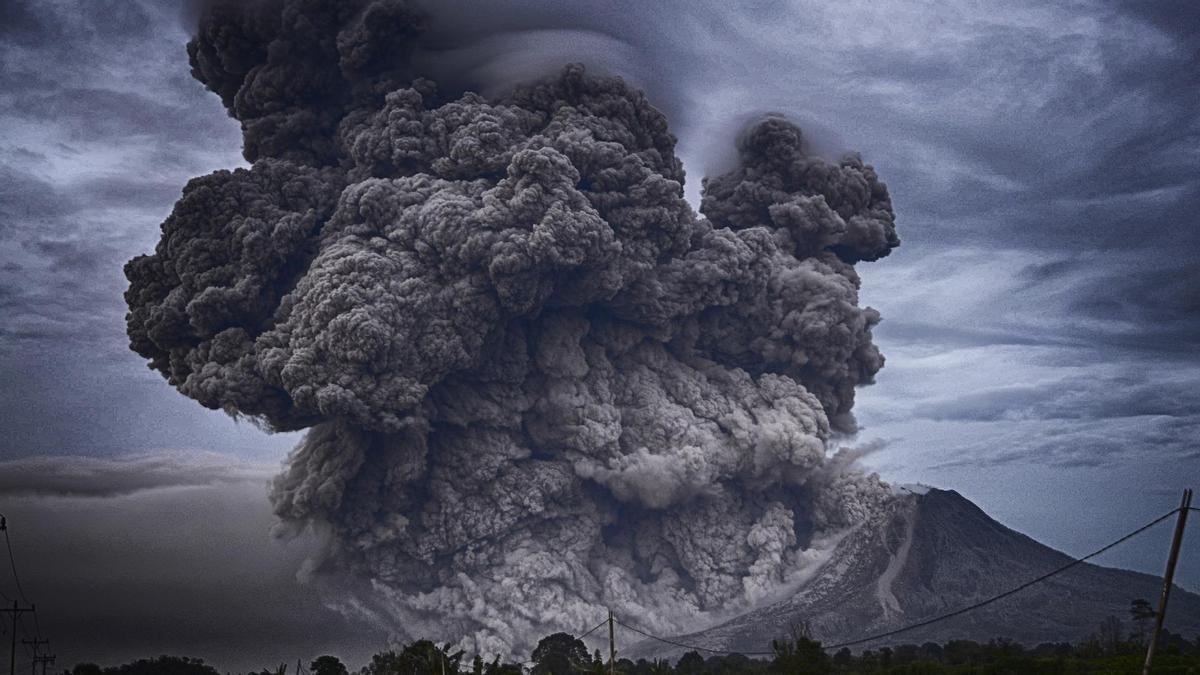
(612, 646)
(49, 658)
(35, 642)
(16, 610)
(1168, 577)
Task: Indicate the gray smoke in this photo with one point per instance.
(538, 385)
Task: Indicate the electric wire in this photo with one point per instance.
(848, 643)
(581, 666)
(1011, 591)
(4, 525)
(936, 619)
(687, 646)
(12, 561)
(30, 649)
(593, 629)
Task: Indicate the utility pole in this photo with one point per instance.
(36, 642)
(16, 611)
(1184, 506)
(43, 660)
(612, 646)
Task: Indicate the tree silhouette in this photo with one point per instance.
(595, 666)
(560, 654)
(690, 663)
(328, 665)
(1141, 612)
(422, 657)
(1110, 634)
(497, 668)
(660, 667)
(801, 656)
(163, 665)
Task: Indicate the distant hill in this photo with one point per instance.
(932, 553)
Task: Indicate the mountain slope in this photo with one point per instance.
(933, 553)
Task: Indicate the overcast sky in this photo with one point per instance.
(1041, 319)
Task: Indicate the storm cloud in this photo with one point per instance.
(81, 476)
(538, 385)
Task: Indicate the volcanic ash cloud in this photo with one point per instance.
(537, 384)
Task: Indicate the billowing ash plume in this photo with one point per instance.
(537, 383)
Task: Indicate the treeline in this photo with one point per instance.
(1109, 651)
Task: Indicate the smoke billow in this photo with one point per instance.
(536, 383)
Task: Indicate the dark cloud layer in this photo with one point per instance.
(74, 476)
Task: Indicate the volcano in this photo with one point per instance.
(930, 552)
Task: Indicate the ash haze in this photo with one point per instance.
(1040, 319)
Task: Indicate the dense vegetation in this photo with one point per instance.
(1109, 651)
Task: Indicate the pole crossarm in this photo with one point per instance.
(44, 660)
(16, 611)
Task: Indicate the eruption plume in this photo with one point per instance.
(536, 383)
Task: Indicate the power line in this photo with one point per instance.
(16, 611)
(593, 629)
(936, 619)
(12, 561)
(581, 666)
(26, 642)
(1012, 591)
(692, 647)
(37, 629)
(30, 645)
(4, 527)
(34, 644)
(46, 659)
